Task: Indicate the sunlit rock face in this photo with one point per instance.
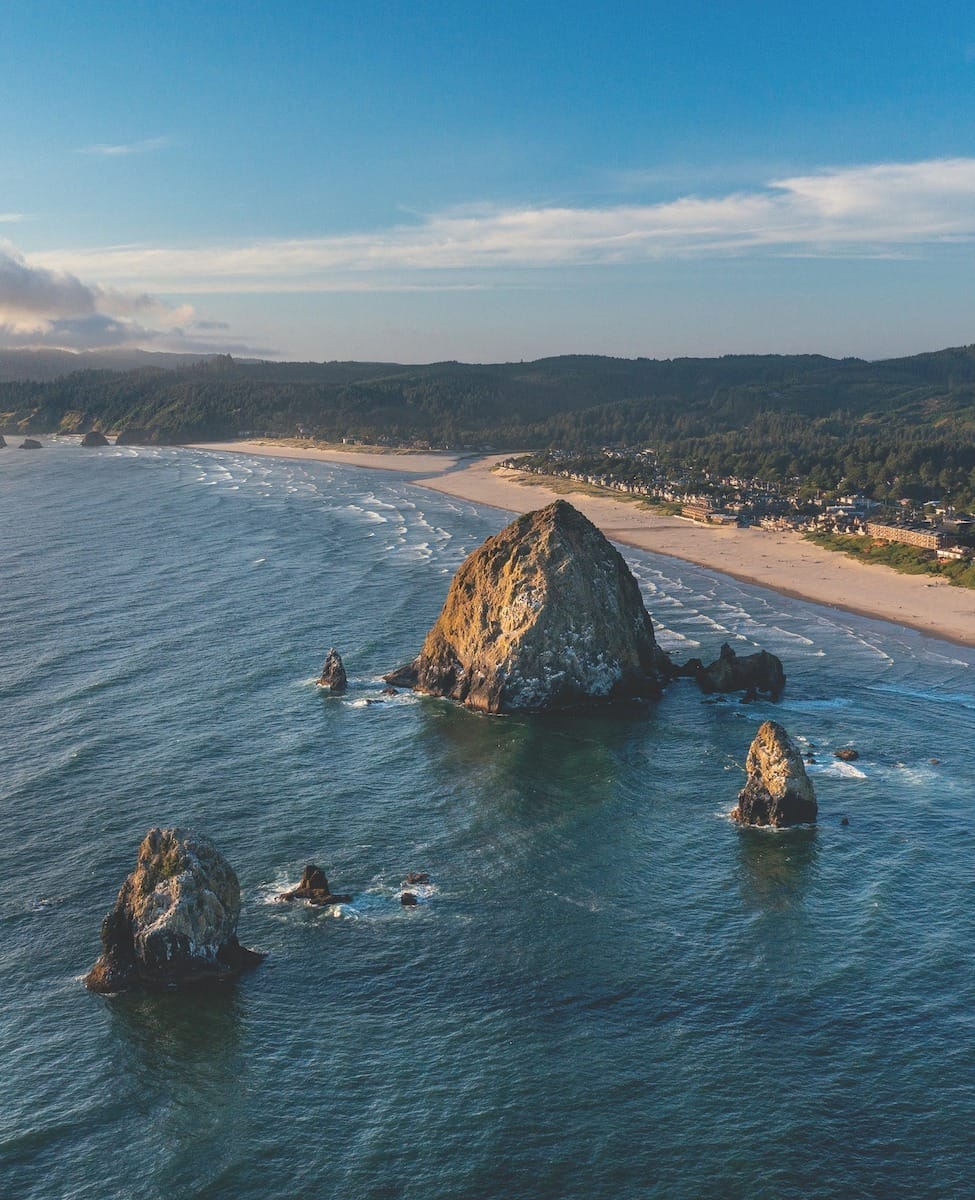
(175, 918)
(546, 614)
(778, 791)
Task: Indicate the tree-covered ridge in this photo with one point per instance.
(899, 427)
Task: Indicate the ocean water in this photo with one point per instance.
(608, 990)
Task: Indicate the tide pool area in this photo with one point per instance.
(606, 990)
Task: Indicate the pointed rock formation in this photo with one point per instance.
(175, 919)
(778, 791)
(333, 674)
(546, 614)
(314, 888)
(3, 442)
(94, 438)
(750, 673)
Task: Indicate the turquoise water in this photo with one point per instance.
(609, 991)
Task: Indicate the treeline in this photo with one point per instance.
(899, 428)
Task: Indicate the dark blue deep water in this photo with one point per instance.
(610, 991)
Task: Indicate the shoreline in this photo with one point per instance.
(783, 562)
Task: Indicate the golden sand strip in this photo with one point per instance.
(784, 562)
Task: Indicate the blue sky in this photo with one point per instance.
(428, 181)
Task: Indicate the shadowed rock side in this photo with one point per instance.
(94, 438)
(175, 919)
(778, 791)
(546, 614)
(759, 672)
(333, 674)
(314, 888)
(30, 444)
(3, 442)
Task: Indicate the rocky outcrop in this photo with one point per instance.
(30, 444)
(333, 674)
(3, 442)
(847, 754)
(778, 791)
(175, 919)
(132, 435)
(754, 674)
(94, 438)
(314, 888)
(546, 614)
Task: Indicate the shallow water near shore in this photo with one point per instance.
(608, 989)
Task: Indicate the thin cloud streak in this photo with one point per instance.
(122, 149)
(870, 211)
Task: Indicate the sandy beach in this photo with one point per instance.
(784, 562)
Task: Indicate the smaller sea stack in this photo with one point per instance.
(174, 923)
(778, 791)
(94, 438)
(30, 444)
(314, 888)
(759, 673)
(333, 674)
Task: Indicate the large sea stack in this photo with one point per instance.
(778, 791)
(546, 614)
(175, 919)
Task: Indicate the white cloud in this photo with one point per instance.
(871, 211)
(121, 149)
(41, 306)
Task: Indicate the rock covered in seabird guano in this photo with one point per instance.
(314, 888)
(546, 614)
(333, 674)
(174, 922)
(777, 792)
(94, 437)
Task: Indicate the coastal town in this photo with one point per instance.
(932, 527)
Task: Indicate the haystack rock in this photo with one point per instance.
(546, 614)
(778, 791)
(333, 674)
(94, 438)
(751, 673)
(175, 920)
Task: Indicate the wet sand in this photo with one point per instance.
(784, 562)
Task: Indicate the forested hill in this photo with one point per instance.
(773, 415)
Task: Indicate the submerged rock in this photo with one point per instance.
(750, 673)
(333, 674)
(94, 438)
(778, 791)
(175, 919)
(30, 444)
(314, 888)
(546, 614)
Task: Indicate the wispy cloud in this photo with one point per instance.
(11, 218)
(869, 211)
(120, 149)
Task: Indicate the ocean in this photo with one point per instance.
(607, 990)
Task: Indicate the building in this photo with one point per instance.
(925, 539)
